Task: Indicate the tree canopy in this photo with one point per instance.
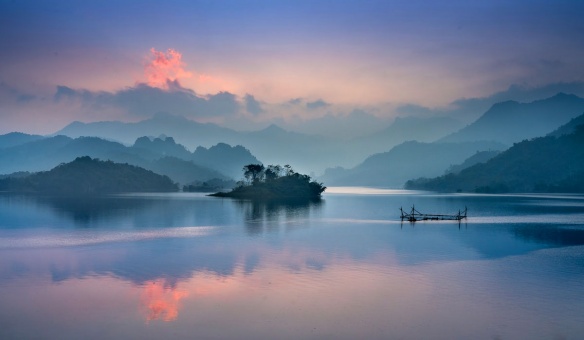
(274, 182)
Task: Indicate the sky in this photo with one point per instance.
(250, 63)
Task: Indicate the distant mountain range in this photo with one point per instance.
(410, 147)
(498, 128)
(510, 122)
(17, 138)
(505, 123)
(272, 144)
(405, 161)
(164, 156)
(554, 163)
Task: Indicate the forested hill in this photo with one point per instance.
(545, 164)
(87, 176)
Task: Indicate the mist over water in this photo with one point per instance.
(187, 265)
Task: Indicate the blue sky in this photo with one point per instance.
(360, 53)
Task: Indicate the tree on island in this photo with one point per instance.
(274, 182)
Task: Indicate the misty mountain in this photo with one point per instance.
(154, 148)
(17, 138)
(545, 164)
(227, 159)
(509, 122)
(569, 128)
(183, 171)
(221, 161)
(86, 176)
(44, 154)
(33, 156)
(273, 145)
(479, 157)
(405, 161)
(420, 129)
(153, 154)
(184, 131)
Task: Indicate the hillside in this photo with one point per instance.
(479, 157)
(569, 128)
(17, 138)
(225, 158)
(545, 164)
(163, 156)
(272, 144)
(407, 160)
(510, 122)
(182, 171)
(87, 176)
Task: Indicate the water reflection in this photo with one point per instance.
(161, 300)
(341, 267)
(267, 216)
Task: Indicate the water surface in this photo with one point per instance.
(190, 266)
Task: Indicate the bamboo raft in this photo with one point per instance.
(414, 216)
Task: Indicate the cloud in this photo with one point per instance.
(165, 66)
(12, 94)
(317, 104)
(222, 104)
(144, 100)
(295, 101)
(469, 109)
(252, 105)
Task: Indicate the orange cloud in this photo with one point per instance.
(165, 66)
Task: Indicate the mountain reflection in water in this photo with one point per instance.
(342, 267)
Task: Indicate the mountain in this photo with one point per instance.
(86, 176)
(44, 154)
(509, 122)
(185, 131)
(569, 128)
(420, 129)
(405, 161)
(183, 171)
(33, 156)
(17, 138)
(545, 164)
(163, 156)
(272, 144)
(275, 145)
(154, 148)
(225, 158)
(479, 157)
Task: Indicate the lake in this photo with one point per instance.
(185, 265)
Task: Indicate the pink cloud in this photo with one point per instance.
(162, 67)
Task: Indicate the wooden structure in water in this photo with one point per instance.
(414, 216)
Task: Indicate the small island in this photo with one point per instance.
(274, 182)
(87, 176)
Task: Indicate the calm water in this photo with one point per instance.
(190, 266)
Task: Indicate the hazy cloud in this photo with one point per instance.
(252, 105)
(144, 100)
(222, 104)
(11, 94)
(469, 109)
(295, 101)
(317, 104)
